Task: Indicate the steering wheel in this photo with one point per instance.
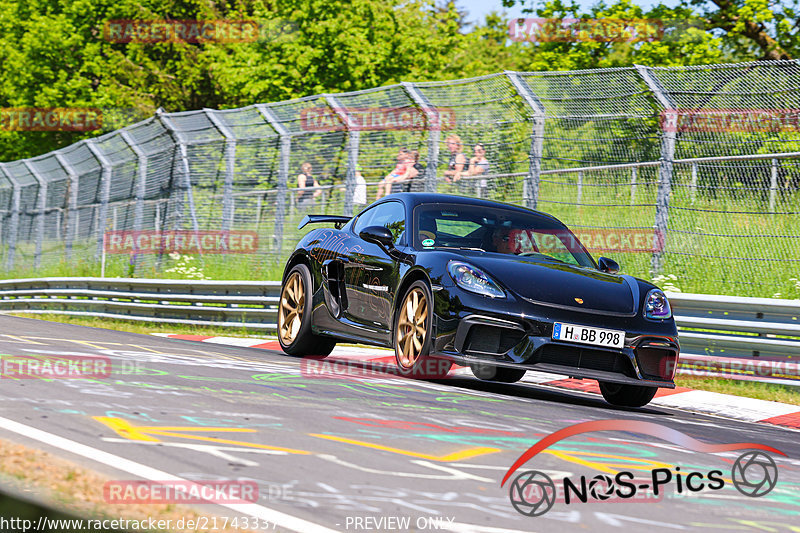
(532, 254)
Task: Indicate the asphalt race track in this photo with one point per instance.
(336, 454)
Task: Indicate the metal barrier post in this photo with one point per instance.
(141, 180)
(72, 205)
(633, 185)
(530, 189)
(434, 133)
(105, 191)
(665, 168)
(773, 185)
(353, 142)
(187, 176)
(228, 210)
(13, 227)
(283, 172)
(41, 205)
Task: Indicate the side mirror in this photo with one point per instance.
(378, 235)
(609, 266)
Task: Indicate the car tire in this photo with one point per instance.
(411, 335)
(627, 395)
(502, 374)
(294, 317)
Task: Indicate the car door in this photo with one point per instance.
(371, 275)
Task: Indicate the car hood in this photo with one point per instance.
(559, 284)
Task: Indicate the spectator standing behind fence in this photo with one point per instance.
(413, 171)
(360, 192)
(416, 172)
(458, 161)
(479, 165)
(305, 180)
(398, 173)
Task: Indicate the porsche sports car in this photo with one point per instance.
(496, 287)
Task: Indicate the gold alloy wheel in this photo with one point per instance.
(291, 313)
(412, 327)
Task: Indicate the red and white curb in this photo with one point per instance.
(711, 403)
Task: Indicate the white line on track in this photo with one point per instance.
(139, 470)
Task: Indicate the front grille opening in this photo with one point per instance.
(493, 340)
(587, 358)
(657, 363)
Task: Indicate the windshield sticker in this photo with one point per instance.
(428, 242)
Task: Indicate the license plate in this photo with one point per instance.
(588, 335)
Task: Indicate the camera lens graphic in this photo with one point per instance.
(754, 474)
(532, 493)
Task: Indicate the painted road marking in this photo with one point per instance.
(22, 340)
(146, 472)
(127, 430)
(455, 456)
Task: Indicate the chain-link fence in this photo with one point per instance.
(689, 172)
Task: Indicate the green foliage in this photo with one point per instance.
(55, 53)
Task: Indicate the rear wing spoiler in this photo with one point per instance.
(337, 220)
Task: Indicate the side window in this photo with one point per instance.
(363, 220)
(391, 215)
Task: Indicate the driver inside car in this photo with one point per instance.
(513, 241)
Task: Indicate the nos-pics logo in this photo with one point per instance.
(533, 493)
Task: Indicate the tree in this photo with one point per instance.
(749, 29)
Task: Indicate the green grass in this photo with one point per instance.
(747, 389)
(720, 241)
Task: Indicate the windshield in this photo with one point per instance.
(496, 230)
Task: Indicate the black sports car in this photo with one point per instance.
(496, 287)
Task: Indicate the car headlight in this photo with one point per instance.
(656, 305)
(473, 279)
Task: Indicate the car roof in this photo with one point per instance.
(414, 199)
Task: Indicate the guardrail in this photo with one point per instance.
(251, 304)
(747, 338)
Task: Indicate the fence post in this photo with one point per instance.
(13, 227)
(178, 137)
(434, 133)
(665, 169)
(530, 187)
(773, 185)
(283, 172)
(633, 184)
(141, 180)
(41, 205)
(105, 191)
(230, 162)
(72, 205)
(694, 182)
(580, 188)
(353, 142)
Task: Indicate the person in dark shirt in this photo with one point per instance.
(305, 180)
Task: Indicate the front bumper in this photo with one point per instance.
(519, 334)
